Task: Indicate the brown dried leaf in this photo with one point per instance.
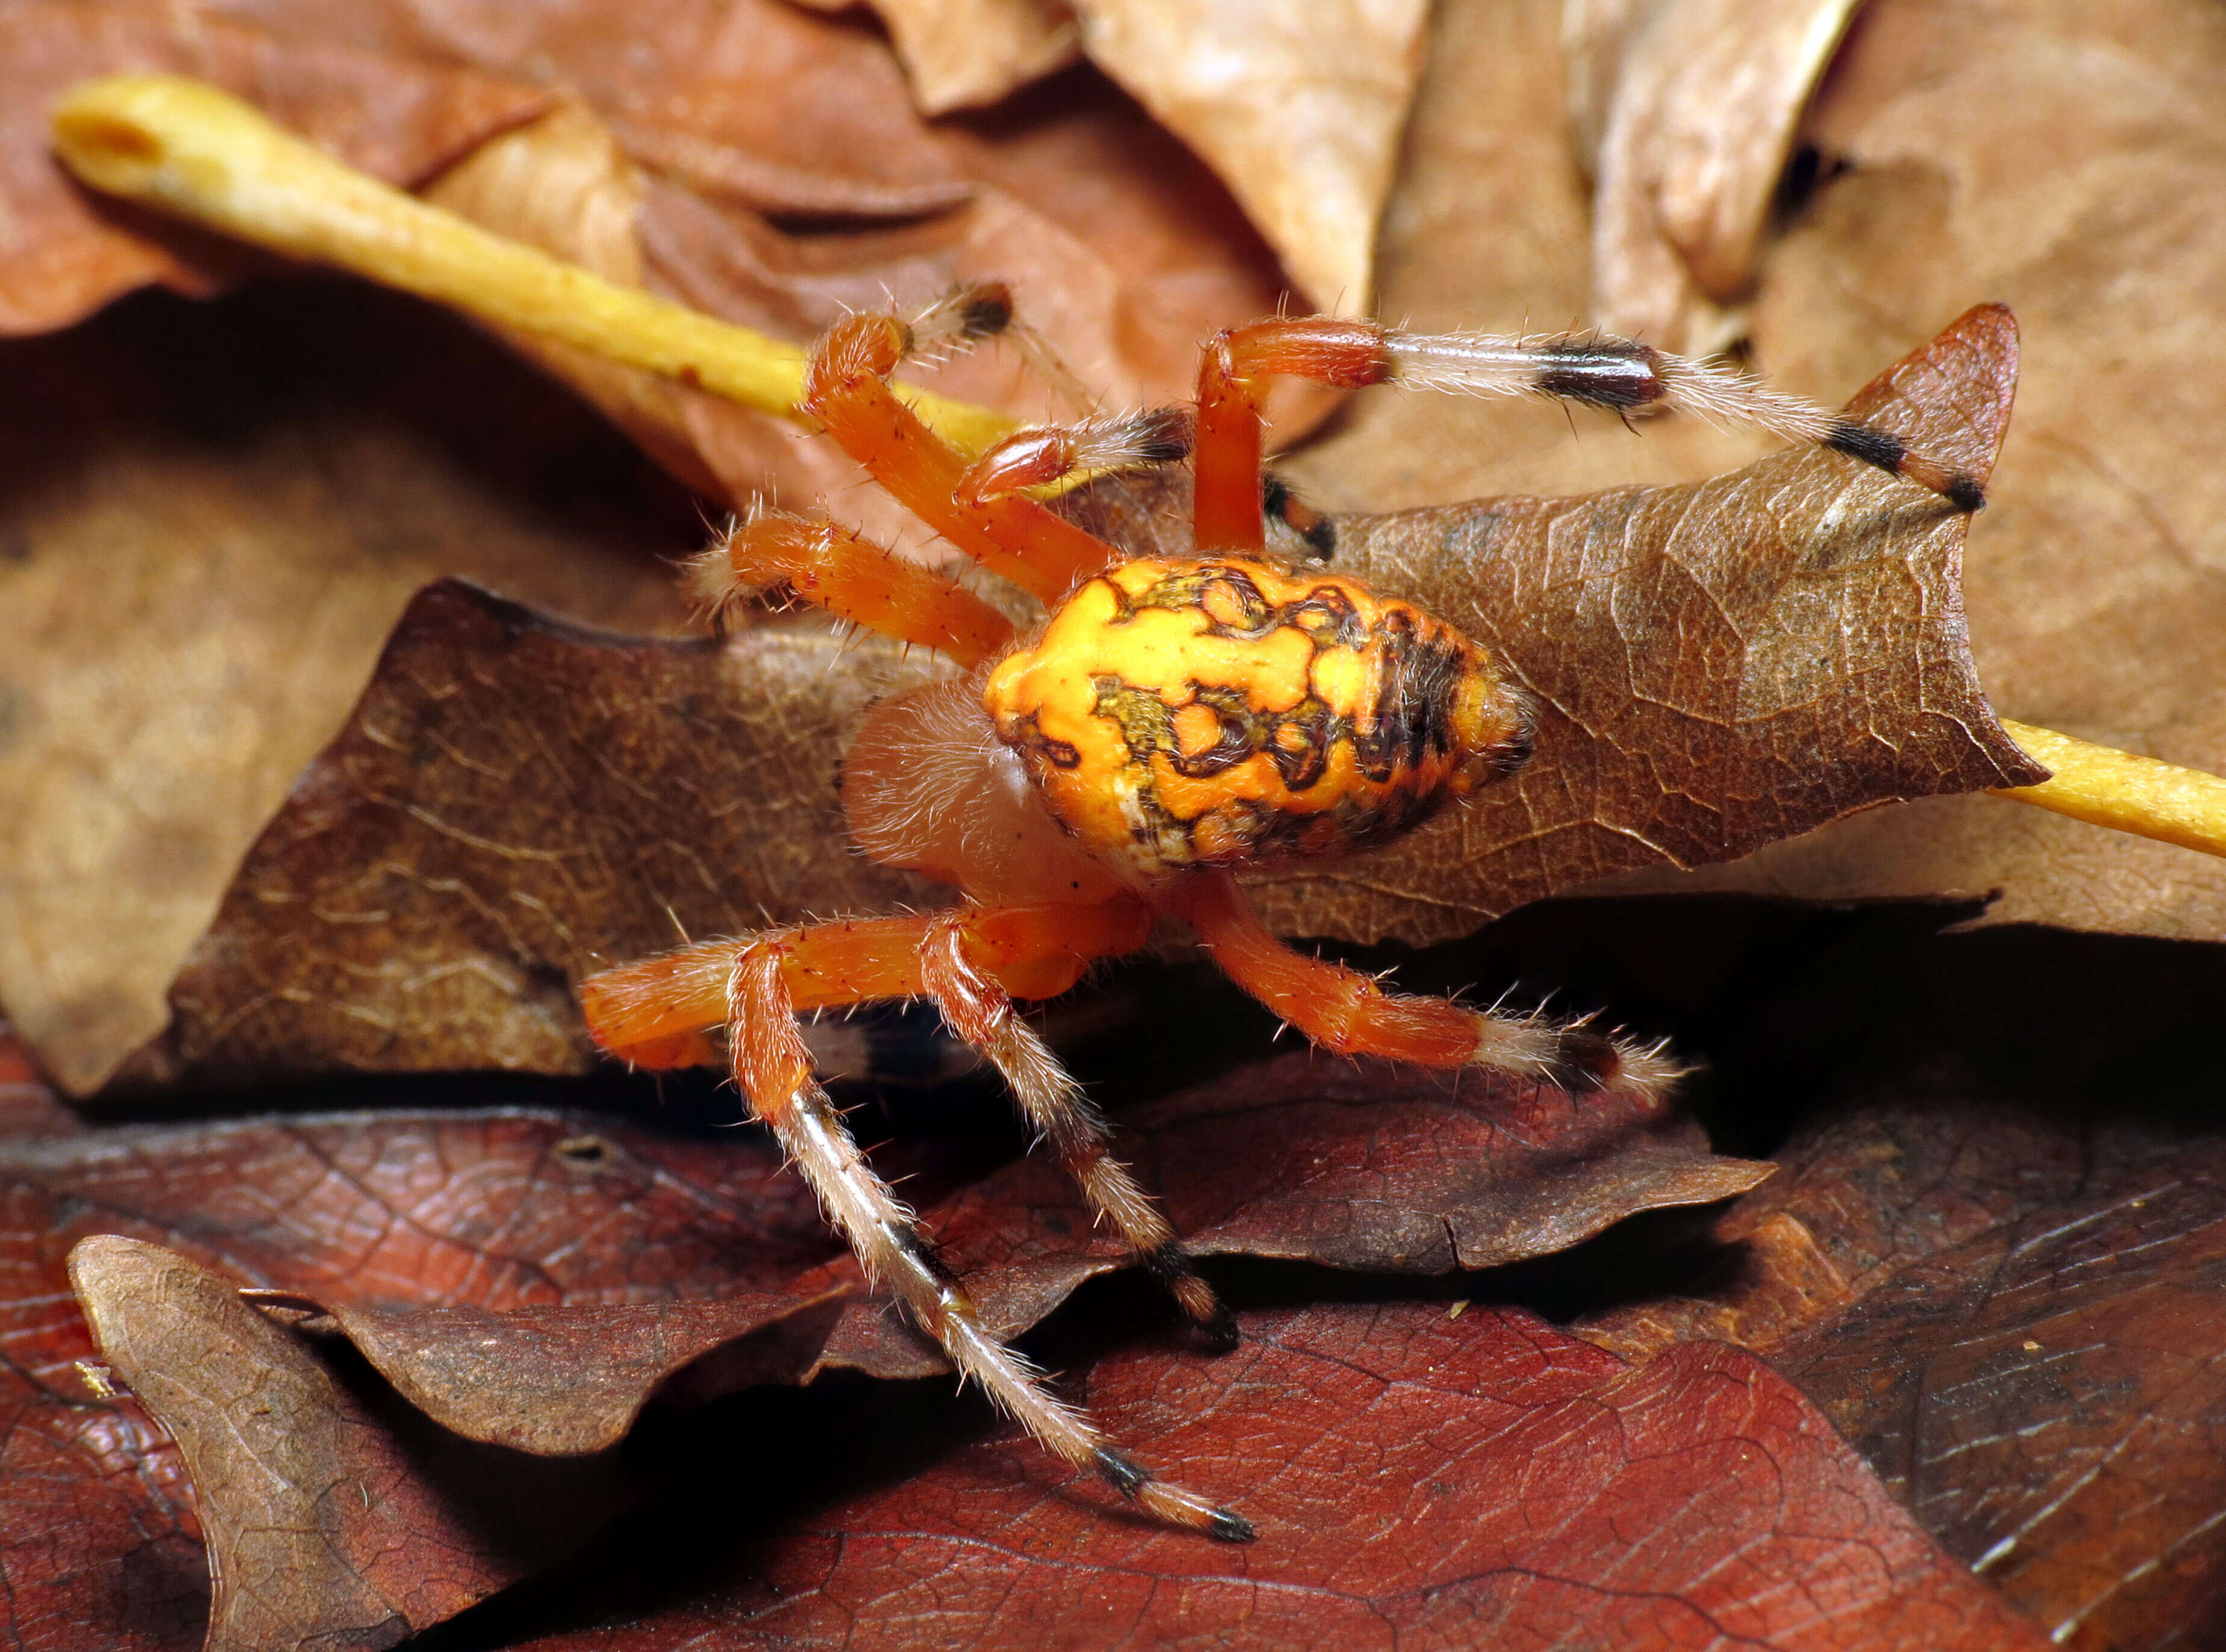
(1691, 106)
(964, 54)
(2069, 163)
(1997, 1257)
(516, 802)
(1716, 666)
(210, 518)
(565, 1382)
(1299, 110)
(1486, 1481)
(2064, 160)
(63, 254)
(328, 1521)
(2045, 1398)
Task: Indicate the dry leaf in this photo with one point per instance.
(1299, 110)
(328, 1521)
(1486, 1481)
(1693, 107)
(603, 1234)
(516, 802)
(1368, 1167)
(98, 1536)
(2070, 165)
(2043, 1398)
(2063, 161)
(209, 520)
(1995, 1252)
(1716, 667)
(964, 53)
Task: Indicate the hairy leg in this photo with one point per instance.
(1619, 374)
(847, 574)
(980, 1012)
(774, 1068)
(655, 1011)
(846, 388)
(1346, 1010)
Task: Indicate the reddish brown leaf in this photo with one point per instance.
(493, 1210)
(2045, 1397)
(1375, 1168)
(100, 1541)
(1997, 1257)
(1369, 1166)
(1486, 1481)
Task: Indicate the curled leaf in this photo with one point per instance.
(1299, 110)
(516, 802)
(1691, 107)
(1716, 666)
(326, 1520)
(964, 53)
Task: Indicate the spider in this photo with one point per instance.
(1173, 721)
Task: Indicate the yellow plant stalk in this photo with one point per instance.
(187, 148)
(2117, 789)
(190, 150)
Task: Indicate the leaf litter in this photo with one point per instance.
(1445, 172)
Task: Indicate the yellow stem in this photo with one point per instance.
(188, 149)
(2119, 789)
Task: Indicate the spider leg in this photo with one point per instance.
(774, 1068)
(1620, 375)
(849, 575)
(978, 1010)
(846, 388)
(1346, 1012)
(655, 1011)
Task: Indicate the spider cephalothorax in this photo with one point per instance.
(1173, 720)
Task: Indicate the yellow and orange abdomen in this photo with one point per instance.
(1180, 713)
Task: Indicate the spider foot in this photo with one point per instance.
(1170, 1502)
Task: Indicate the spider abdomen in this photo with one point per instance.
(1195, 712)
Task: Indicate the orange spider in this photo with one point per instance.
(1173, 721)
